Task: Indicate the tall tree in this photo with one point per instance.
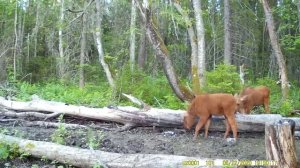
(16, 47)
(194, 48)
(298, 9)
(227, 34)
(161, 50)
(200, 39)
(142, 55)
(37, 25)
(82, 47)
(61, 65)
(2, 69)
(98, 39)
(277, 49)
(132, 35)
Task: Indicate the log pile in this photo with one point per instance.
(129, 116)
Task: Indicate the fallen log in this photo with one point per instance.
(131, 116)
(45, 124)
(89, 158)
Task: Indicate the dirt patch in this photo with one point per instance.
(250, 146)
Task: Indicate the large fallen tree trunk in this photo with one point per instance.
(89, 158)
(137, 117)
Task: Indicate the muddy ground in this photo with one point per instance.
(250, 146)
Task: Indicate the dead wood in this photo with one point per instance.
(11, 113)
(280, 143)
(51, 124)
(89, 158)
(131, 116)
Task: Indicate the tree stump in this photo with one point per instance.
(280, 144)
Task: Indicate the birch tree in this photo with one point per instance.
(227, 34)
(200, 39)
(194, 48)
(16, 45)
(276, 47)
(132, 35)
(82, 48)
(36, 28)
(98, 39)
(61, 66)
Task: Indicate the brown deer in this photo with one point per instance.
(250, 97)
(206, 105)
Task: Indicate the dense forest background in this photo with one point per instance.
(88, 52)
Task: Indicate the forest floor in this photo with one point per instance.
(147, 140)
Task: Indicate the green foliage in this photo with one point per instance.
(60, 133)
(94, 141)
(155, 91)
(8, 151)
(90, 95)
(286, 107)
(224, 79)
(40, 68)
(34, 166)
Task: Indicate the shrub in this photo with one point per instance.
(224, 79)
(155, 91)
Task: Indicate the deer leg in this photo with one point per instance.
(232, 123)
(266, 105)
(200, 124)
(227, 128)
(207, 126)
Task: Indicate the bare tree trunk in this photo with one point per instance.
(82, 50)
(227, 34)
(142, 56)
(61, 67)
(194, 48)
(132, 36)
(213, 27)
(200, 39)
(99, 45)
(36, 28)
(162, 51)
(16, 46)
(277, 50)
(2, 69)
(298, 9)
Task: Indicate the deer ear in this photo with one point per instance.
(244, 98)
(236, 96)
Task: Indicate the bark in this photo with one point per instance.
(194, 48)
(298, 9)
(90, 158)
(98, 38)
(61, 65)
(137, 117)
(132, 36)
(3, 73)
(82, 50)
(16, 46)
(242, 74)
(280, 143)
(200, 40)
(276, 47)
(36, 28)
(161, 50)
(142, 56)
(227, 34)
